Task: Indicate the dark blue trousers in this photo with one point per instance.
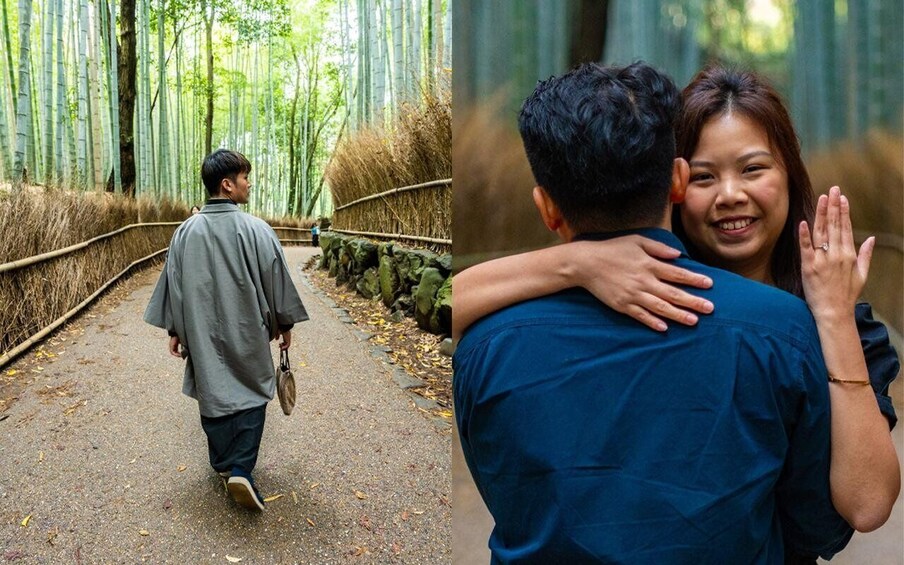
(234, 440)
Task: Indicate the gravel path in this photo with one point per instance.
(113, 466)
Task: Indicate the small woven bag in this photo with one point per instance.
(285, 384)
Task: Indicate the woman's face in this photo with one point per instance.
(737, 200)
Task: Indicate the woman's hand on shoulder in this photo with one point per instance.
(633, 275)
(834, 271)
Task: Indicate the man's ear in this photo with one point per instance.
(225, 186)
(549, 212)
(681, 173)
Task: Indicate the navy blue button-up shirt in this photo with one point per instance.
(594, 439)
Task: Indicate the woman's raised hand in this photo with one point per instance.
(834, 272)
(631, 275)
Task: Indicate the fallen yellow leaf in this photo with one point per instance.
(181, 468)
(360, 495)
(314, 485)
(445, 413)
(25, 521)
(144, 532)
(12, 372)
(272, 498)
(233, 559)
(40, 456)
(294, 497)
(311, 522)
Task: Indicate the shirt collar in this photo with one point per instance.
(656, 234)
(219, 200)
(219, 205)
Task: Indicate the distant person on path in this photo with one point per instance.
(315, 235)
(195, 210)
(224, 294)
(593, 439)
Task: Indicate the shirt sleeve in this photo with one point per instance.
(881, 359)
(810, 524)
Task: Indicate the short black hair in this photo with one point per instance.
(222, 164)
(601, 142)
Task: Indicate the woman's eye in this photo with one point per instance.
(753, 168)
(700, 177)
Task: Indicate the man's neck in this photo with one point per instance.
(567, 234)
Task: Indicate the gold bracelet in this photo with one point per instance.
(847, 382)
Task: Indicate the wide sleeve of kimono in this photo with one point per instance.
(282, 296)
(881, 358)
(159, 311)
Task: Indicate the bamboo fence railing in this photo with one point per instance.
(421, 213)
(44, 291)
(37, 296)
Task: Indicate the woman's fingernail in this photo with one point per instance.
(691, 319)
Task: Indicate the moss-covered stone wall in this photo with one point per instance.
(411, 282)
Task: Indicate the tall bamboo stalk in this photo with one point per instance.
(23, 103)
(49, 18)
(116, 153)
(83, 118)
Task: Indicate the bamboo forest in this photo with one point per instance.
(128, 96)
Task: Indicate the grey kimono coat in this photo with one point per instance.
(225, 290)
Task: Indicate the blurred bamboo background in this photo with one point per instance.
(837, 63)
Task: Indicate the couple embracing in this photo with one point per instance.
(754, 430)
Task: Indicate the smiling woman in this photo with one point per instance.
(736, 204)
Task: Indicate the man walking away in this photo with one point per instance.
(224, 294)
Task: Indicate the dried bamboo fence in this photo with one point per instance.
(290, 235)
(420, 213)
(42, 292)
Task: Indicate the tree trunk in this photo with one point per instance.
(82, 89)
(126, 74)
(379, 61)
(13, 91)
(62, 112)
(447, 37)
(48, 94)
(178, 130)
(23, 103)
(588, 39)
(346, 53)
(6, 125)
(164, 183)
(364, 57)
(115, 89)
(148, 159)
(33, 150)
(208, 122)
(436, 49)
(398, 65)
(293, 168)
(94, 105)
